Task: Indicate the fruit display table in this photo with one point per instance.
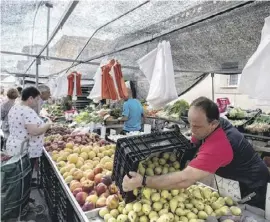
(61, 202)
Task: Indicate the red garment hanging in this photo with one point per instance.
(108, 90)
(71, 77)
(122, 88)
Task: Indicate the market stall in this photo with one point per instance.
(77, 182)
(165, 48)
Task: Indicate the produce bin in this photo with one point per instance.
(131, 151)
(62, 205)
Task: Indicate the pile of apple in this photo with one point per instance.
(59, 142)
(96, 194)
(193, 204)
(87, 170)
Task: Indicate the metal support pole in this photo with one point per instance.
(213, 87)
(23, 81)
(49, 6)
(37, 64)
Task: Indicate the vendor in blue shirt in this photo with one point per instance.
(132, 114)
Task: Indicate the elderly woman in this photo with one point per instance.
(12, 95)
(24, 123)
(45, 94)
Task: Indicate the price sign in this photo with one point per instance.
(267, 203)
(227, 187)
(112, 132)
(103, 132)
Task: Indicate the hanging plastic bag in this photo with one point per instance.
(158, 69)
(95, 93)
(255, 76)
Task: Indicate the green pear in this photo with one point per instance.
(163, 211)
(183, 218)
(155, 197)
(228, 201)
(202, 215)
(122, 218)
(173, 205)
(176, 165)
(143, 219)
(164, 194)
(175, 192)
(157, 206)
(208, 209)
(162, 161)
(132, 216)
(153, 214)
(236, 211)
(129, 207)
(137, 207)
(180, 212)
(191, 215)
(149, 172)
(114, 213)
(158, 170)
(173, 157)
(146, 192)
(146, 209)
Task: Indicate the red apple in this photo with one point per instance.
(76, 191)
(101, 202)
(97, 178)
(98, 170)
(81, 197)
(101, 188)
(107, 180)
(88, 186)
(88, 206)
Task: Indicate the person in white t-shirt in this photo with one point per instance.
(24, 123)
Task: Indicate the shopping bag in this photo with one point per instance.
(16, 177)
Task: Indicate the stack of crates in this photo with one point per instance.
(131, 151)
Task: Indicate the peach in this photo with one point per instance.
(74, 185)
(76, 191)
(97, 178)
(81, 197)
(92, 198)
(101, 188)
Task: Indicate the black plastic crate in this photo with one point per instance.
(131, 151)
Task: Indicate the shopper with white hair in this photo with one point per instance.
(45, 94)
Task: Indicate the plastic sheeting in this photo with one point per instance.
(255, 77)
(158, 69)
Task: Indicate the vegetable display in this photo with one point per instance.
(260, 125)
(237, 113)
(87, 117)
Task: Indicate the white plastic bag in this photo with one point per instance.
(96, 93)
(158, 69)
(255, 76)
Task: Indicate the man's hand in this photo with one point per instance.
(132, 183)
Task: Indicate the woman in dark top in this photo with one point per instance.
(12, 95)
